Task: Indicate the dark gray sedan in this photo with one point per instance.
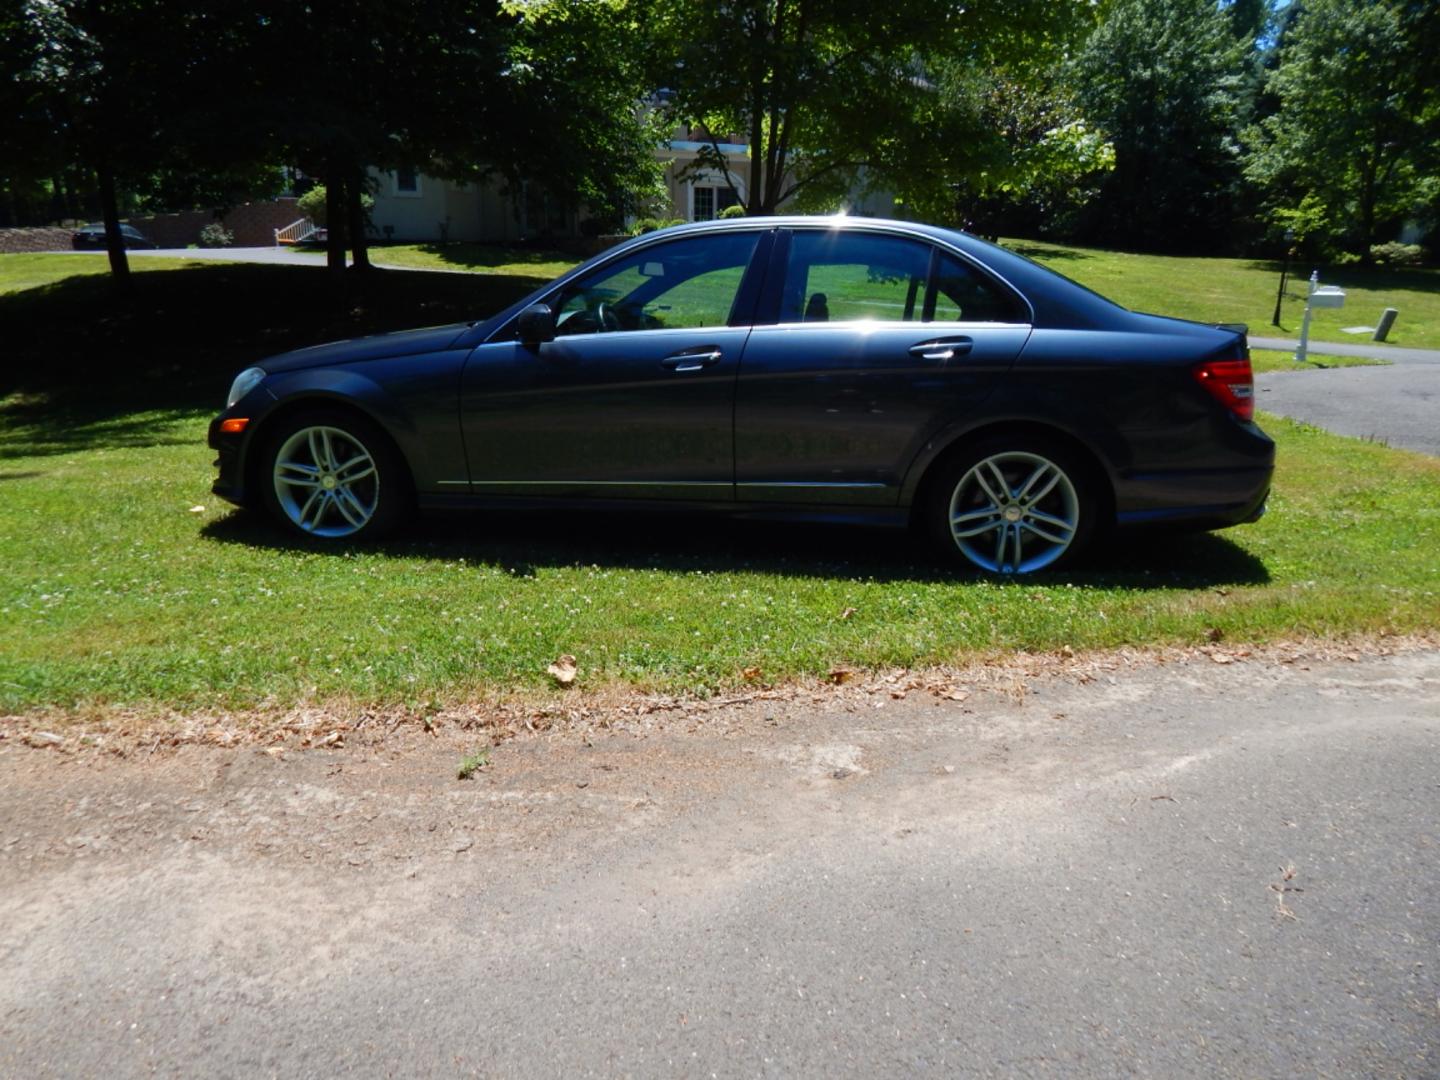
(835, 368)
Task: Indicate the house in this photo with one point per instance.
(411, 206)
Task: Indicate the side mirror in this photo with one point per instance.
(536, 325)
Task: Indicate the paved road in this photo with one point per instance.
(1398, 405)
(1189, 869)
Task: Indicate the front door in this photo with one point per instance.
(635, 396)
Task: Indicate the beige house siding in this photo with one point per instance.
(488, 213)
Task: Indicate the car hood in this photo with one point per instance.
(375, 347)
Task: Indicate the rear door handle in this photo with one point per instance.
(691, 361)
(942, 349)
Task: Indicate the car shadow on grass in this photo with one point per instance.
(524, 542)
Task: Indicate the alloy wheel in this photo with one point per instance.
(326, 482)
(1014, 513)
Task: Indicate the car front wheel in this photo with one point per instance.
(333, 476)
(1012, 508)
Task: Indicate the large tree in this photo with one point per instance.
(1355, 142)
(1163, 79)
(830, 93)
(134, 96)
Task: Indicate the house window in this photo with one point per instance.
(704, 203)
(710, 200)
(407, 182)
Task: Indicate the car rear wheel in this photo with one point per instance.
(1012, 507)
(334, 476)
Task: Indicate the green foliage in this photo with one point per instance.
(1163, 80)
(736, 211)
(215, 235)
(1355, 142)
(1395, 253)
(312, 204)
(836, 97)
(470, 764)
(647, 225)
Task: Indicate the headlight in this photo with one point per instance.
(246, 381)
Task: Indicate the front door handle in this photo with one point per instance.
(691, 361)
(942, 349)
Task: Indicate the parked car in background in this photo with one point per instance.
(92, 238)
(836, 368)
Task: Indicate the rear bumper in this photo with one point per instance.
(1210, 499)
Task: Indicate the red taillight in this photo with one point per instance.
(1232, 384)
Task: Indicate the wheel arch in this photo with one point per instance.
(298, 405)
(924, 474)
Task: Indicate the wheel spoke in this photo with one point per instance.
(1035, 477)
(984, 484)
(329, 449)
(1065, 539)
(354, 463)
(977, 530)
(356, 476)
(1000, 548)
(999, 478)
(315, 502)
(1046, 489)
(1050, 519)
(350, 507)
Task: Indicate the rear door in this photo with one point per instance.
(879, 341)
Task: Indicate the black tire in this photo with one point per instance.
(330, 475)
(1009, 507)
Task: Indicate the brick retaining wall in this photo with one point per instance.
(42, 239)
(253, 224)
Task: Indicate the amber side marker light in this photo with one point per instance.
(235, 425)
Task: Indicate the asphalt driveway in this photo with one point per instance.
(1397, 405)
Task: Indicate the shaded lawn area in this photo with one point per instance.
(1243, 290)
(84, 368)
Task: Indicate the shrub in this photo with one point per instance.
(732, 212)
(216, 235)
(1397, 254)
(312, 204)
(644, 225)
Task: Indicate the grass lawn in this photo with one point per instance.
(1275, 360)
(1243, 290)
(536, 263)
(31, 270)
(126, 582)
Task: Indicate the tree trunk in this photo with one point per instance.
(335, 219)
(114, 242)
(355, 220)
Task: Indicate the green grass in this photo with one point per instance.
(19, 272)
(1275, 360)
(533, 263)
(1243, 291)
(118, 590)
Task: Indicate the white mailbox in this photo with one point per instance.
(1327, 296)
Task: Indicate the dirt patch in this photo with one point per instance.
(122, 732)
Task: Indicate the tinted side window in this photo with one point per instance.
(840, 274)
(963, 294)
(681, 284)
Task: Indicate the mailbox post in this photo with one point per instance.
(1321, 296)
